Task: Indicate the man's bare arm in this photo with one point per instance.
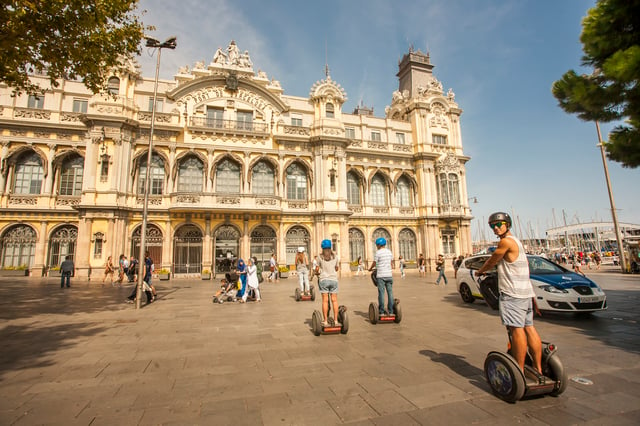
(503, 247)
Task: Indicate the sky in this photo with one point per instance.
(528, 157)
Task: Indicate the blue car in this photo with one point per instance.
(557, 289)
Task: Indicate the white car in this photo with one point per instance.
(556, 288)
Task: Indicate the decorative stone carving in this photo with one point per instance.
(402, 148)
(438, 118)
(298, 205)
(451, 96)
(406, 210)
(161, 117)
(356, 143)
(188, 198)
(329, 131)
(25, 200)
(32, 113)
(73, 117)
(448, 163)
(381, 210)
(355, 209)
(110, 109)
(265, 201)
(153, 201)
(377, 145)
(18, 133)
(42, 135)
(67, 201)
(228, 200)
(297, 130)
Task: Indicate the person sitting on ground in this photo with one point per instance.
(328, 267)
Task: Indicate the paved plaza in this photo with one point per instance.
(83, 356)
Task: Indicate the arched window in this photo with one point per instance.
(156, 175)
(381, 232)
(29, 171)
(378, 191)
(353, 188)
(296, 183)
(71, 176)
(263, 179)
(18, 246)
(403, 193)
(228, 177)
(113, 86)
(448, 189)
(62, 243)
(407, 244)
(356, 244)
(330, 110)
(190, 175)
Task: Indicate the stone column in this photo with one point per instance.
(4, 172)
(91, 159)
(167, 247)
(171, 183)
(41, 251)
(206, 246)
(245, 244)
(84, 248)
(111, 241)
(48, 181)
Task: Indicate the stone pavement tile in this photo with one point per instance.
(403, 419)
(608, 383)
(565, 413)
(508, 414)
(454, 413)
(611, 403)
(387, 401)
(144, 384)
(631, 419)
(375, 384)
(314, 412)
(432, 394)
(65, 385)
(163, 415)
(352, 407)
(291, 385)
(53, 410)
(311, 360)
(129, 417)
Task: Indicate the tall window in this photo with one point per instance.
(190, 175)
(330, 111)
(28, 179)
(400, 138)
(356, 244)
(349, 133)
(71, 176)
(353, 188)
(97, 245)
(113, 86)
(18, 246)
(375, 136)
(215, 117)
(378, 192)
(439, 139)
(296, 183)
(403, 191)
(448, 241)
(159, 104)
(80, 105)
(296, 119)
(156, 175)
(407, 244)
(228, 177)
(245, 120)
(263, 179)
(448, 189)
(36, 102)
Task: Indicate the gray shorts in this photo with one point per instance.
(516, 312)
(328, 286)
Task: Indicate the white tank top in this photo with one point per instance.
(513, 277)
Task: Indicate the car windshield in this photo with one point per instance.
(541, 266)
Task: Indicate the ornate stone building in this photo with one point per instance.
(238, 169)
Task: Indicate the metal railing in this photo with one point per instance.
(214, 123)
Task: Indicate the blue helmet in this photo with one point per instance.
(326, 244)
(381, 242)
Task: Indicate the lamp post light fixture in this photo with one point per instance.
(169, 43)
(614, 213)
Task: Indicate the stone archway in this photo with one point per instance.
(187, 250)
(61, 244)
(297, 236)
(263, 243)
(153, 243)
(18, 246)
(226, 248)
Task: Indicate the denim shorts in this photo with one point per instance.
(328, 286)
(516, 312)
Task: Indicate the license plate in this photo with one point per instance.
(589, 299)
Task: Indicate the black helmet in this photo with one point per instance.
(498, 216)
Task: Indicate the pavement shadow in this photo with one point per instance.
(458, 365)
(20, 350)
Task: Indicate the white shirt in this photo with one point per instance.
(383, 258)
(513, 277)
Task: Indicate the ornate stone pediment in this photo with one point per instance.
(448, 163)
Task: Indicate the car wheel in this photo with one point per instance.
(465, 293)
(504, 377)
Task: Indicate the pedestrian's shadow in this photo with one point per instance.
(459, 365)
(362, 314)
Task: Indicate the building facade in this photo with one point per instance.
(238, 169)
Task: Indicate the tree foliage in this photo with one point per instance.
(70, 39)
(611, 45)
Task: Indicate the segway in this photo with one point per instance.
(300, 296)
(511, 384)
(489, 289)
(374, 313)
(318, 328)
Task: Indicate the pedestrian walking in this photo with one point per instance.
(421, 265)
(360, 265)
(108, 270)
(440, 268)
(67, 269)
(252, 280)
(402, 265)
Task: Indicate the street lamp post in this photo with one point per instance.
(614, 213)
(169, 43)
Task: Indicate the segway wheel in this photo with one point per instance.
(297, 293)
(312, 291)
(215, 300)
(344, 319)
(489, 291)
(316, 322)
(504, 377)
(374, 315)
(555, 370)
(398, 310)
(230, 299)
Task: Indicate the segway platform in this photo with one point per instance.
(300, 296)
(318, 328)
(375, 316)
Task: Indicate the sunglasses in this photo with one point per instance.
(497, 224)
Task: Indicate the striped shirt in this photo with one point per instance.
(383, 258)
(513, 277)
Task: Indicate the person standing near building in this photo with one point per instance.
(108, 270)
(328, 266)
(421, 265)
(516, 291)
(252, 280)
(382, 263)
(67, 268)
(360, 266)
(401, 262)
(302, 268)
(273, 267)
(440, 268)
